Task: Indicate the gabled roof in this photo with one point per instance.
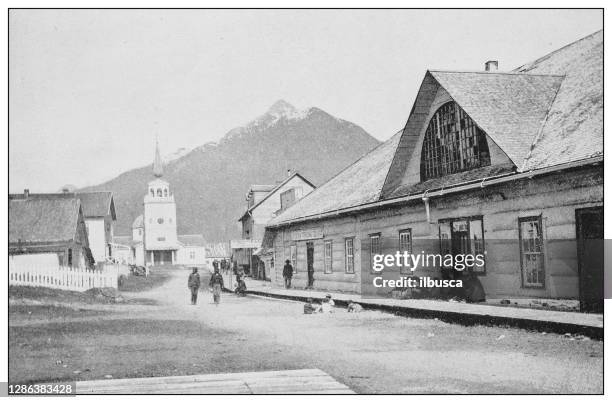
(510, 108)
(272, 192)
(97, 204)
(192, 240)
(43, 220)
(357, 184)
(546, 113)
(94, 204)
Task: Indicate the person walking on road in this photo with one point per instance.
(194, 285)
(287, 273)
(216, 283)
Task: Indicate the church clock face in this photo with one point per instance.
(160, 220)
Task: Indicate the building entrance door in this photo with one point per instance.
(589, 237)
(310, 263)
(162, 257)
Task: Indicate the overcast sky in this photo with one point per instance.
(90, 90)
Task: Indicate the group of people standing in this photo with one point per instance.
(215, 284)
(223, 265)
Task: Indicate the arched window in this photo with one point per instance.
(453, 143)
(159, 192)
(165, 192)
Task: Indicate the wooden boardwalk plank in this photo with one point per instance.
(307, 381)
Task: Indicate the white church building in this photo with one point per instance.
(154, 233)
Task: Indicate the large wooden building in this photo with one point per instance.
(507, 163)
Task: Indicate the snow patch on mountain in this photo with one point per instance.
(279, 110)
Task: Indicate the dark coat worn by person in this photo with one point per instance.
(216, 283)
(288, 270)
(193, 283)
(287, 273)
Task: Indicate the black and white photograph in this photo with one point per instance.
(281, 201)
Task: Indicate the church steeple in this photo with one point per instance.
(158, 168)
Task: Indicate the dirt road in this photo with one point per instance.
(371, 352)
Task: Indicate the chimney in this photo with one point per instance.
(288, 173)
(491, 65)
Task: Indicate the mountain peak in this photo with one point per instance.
(282, 108)
(210, 181)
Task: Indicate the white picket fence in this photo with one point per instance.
(63, 278)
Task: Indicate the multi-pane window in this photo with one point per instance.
(374, 248)
(293, 256)
(328, 257)
(532, 252)
(349, 254)
(70, 257)
(405, 245)
(192, 255)
(463, 236)
(453, 143)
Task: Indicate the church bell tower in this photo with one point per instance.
(160, 237)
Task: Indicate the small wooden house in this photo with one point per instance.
(53, 225)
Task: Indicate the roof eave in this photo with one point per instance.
(458, 188)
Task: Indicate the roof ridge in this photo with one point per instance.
(275, 188)
(548, 55)
(508, 73)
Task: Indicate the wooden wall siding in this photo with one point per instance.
(555, 197)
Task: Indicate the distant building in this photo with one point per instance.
(49, 226)
(192, 251)
(154, 239)
(263, 203)
(100, 217)
(509, 163)
(217, 251)
(123, 249)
